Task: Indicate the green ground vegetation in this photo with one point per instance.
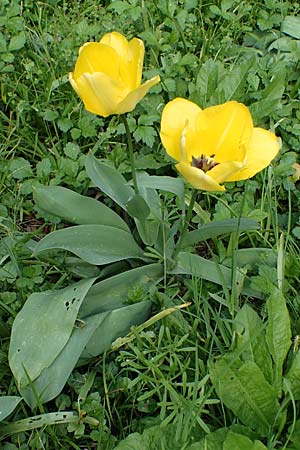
(215, 365)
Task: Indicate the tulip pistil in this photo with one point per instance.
(204, 162)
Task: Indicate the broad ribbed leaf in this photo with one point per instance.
(243, 388)
(76, 208)
(42, 328)
(109, 180)
(7, 404)
(218, 228)
(278, 333)
(96, 244)
(251, 340)
(236, 441)
(293, 376)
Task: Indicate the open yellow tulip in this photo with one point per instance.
(216, 144)
(107, 75)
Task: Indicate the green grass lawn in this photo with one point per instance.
(137, 313)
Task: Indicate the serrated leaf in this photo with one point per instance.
(17, 42)
(278, 333)
(20, 168)
(95, 244)
(145, 134)
(109, 180)
(218, 228)
(42, 328)
(243, 388)
(76, 208)
(7, 405)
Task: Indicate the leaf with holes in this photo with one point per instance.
(42, 328)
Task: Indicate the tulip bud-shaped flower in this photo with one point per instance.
(107, 75)
(216, 144)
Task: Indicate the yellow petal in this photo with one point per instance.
(94, 57)
(224, 130)
(133, 97)
(178, 115)
(262, 148)
(99, 93)
(223, 171)
(116, 41)
(136, 52)
(198, 178)
(131, 55)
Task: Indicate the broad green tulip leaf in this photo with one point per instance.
(137, 207)
(218, 228)
(7, 405)
(148, 230)
(109, 180)
(253, 257)
(115, 324)
(291, 26)
(52, 379)
(95, 244)
(76, 208)
(80, 268)
(112, 292)
(195, 265)
(293, 377)
(163, 183)
(236, 441)
(243, 388)
(278, 333)
(250, 338)
(42, 328)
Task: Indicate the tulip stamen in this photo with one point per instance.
(204, 162)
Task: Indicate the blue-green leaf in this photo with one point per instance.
(42, 328)
(96, 244)
(76, 208)
(7, 404)
(109, 180)
(218, 228)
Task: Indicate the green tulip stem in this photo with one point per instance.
(131, 155)
(187, 220)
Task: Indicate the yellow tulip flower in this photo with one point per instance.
(216, 144)
(107, 75)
